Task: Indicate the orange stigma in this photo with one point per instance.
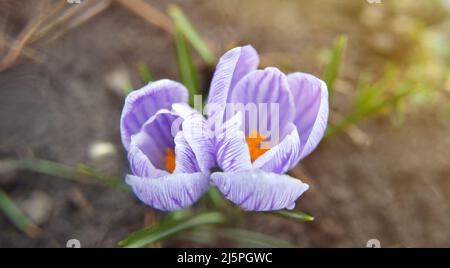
(254, 142)
(170, 160)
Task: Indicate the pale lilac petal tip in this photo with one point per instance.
(248, 61)
(143, 103)
(258, 190)
(311, 115)
(172, 192)
(232, 66)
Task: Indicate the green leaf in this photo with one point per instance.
(170, 228)
(334, 62)
(372, 93)
(145, 73)
(240, 238)
(178, 215)
(293, 215)
(216, 197)
(59, 170)
(188, 71)
(188, 30)
(13, 212)
(111, 181)
(44, 167)
(373, 98)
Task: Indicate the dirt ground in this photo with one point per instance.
(396, 190)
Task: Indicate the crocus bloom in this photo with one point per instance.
(170, 164)
(252, 176)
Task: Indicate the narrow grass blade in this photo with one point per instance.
(372, 93)
(374, 98)
(170, 228)
(13, 212)
(81, 173)
(178, 215)
(216, 198)
(112, 181)
(239, 237)
(188, 71)
(293, 215)
(45, 167)
(188, 30)
(334, 62)
(145, 73)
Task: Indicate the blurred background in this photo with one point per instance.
(382, 171)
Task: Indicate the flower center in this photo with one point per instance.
(170, 160)
(254, 145)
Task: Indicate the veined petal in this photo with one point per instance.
(185, 160)
(268, 89)
(198, 135)
(143, 103)
(140, 164)
(171, 192)
(283, 156)
(154, 139)
(311, 115)
(232, 152)
(232, 66)
(258, 190)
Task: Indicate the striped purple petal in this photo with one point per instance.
(232, 152)
(311, 115)
(232, 66)
(152, 141)
(283, 156)
(140, 163)
(185, 160)
(171, 192)
(143, 103)
(197, 135)
(257, 190)
(265, 88)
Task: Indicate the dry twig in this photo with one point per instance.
(25, 36)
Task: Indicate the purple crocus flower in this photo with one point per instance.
(169, 156)
(252, 176)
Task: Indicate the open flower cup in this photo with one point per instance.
(170, 168)
(259, 124)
